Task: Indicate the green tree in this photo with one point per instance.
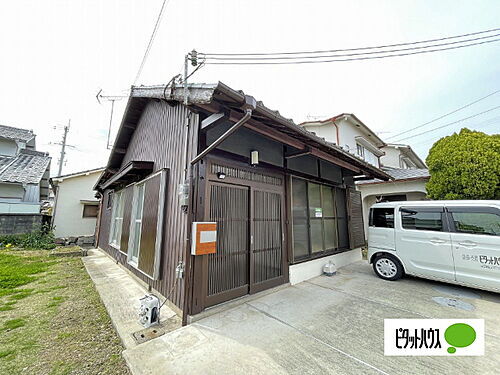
(465, 166)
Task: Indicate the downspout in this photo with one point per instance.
(336, 132)
(249, 106)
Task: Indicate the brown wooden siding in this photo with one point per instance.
(127, 212)
(355, 212)
(160, 137)
(149, 223)
(104, 223)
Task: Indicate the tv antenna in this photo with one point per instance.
(112, 99)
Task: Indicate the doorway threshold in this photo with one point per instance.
(233, 303)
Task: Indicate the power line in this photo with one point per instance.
(480, 125)
(353, 49)
(443, 116)
(349, 59)
(449, 124)
(348, 54)
(151, 39)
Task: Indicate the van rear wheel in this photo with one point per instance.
(388, 267)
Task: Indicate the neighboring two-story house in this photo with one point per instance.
(409, 172)
(350, 133)
(24, 172)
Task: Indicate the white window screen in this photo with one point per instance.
(116, 220)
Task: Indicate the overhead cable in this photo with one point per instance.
(443, 116)
(354, 49)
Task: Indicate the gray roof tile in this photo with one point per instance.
(16, 133)
(28, 167)
(400, 174)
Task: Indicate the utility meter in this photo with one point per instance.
(149, 312)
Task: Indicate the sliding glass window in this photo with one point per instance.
(116, 220)
(136, 223)
(319, 219)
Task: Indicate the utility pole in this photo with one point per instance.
(63, 147)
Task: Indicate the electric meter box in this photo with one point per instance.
(149, 311)
(204, 238)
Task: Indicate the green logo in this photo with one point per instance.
(459, 335)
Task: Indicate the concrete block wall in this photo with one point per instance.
(19, 223)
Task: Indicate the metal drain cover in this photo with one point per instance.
(148, 334)
(158, 330)
(456, 291)
(452, 302)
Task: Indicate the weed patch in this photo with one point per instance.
(9, 325)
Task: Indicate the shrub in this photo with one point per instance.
(40, 239)
(465, 166)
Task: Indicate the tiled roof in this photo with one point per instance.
(27, 167)
(4, 160)
(16, 133)
(403, 174)
(400, 174)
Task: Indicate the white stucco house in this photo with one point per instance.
(75, 207)
(409, 172)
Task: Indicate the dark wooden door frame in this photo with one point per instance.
(200, 264)
(236, 292)
(267, 284)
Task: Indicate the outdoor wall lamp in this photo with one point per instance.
(221, 175)
(254, 158)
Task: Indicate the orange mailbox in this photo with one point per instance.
(204, 238)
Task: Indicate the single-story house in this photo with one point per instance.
(75, 206)
(283, 200)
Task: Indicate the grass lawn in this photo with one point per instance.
(52, 320)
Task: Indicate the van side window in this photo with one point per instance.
(382, 217)
(421, 218)
(477, 222)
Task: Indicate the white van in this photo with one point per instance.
(453, 241)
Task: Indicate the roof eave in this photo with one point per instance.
(204, 94)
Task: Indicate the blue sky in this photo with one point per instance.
(57, 54)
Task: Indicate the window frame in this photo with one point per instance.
(162, 201)
(90, 205)
(109, 202)
(360, 150)
(133, 224)
(325, 252)
(468, 209)
(440, 209)
(117, 200)
(370, 217)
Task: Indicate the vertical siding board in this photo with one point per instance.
(160, 137)
(127, 212)
(149, 225)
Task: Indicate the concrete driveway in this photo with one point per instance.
(322, 326)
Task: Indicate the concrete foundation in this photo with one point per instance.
(307, 270)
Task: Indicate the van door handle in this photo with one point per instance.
(436, 241)
(468, 244)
